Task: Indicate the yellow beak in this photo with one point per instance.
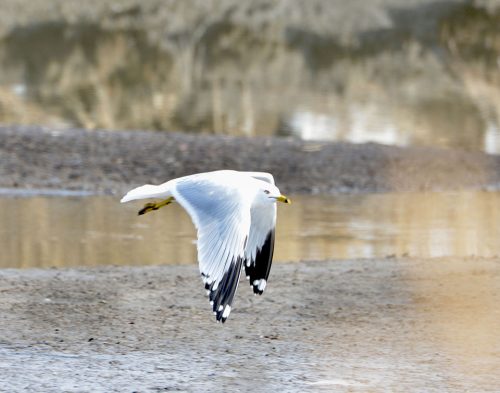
(284, 199)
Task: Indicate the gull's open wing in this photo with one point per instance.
(260, 246)
(264, 176)
(221, 215)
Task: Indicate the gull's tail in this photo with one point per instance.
(148, 191)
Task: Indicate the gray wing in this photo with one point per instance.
(264, 176)
(260, 246)
(221, 215)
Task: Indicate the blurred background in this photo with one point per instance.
(413, 72)
(403, 73)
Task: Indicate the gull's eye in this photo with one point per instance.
(266, 191)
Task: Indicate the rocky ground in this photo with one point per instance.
(113, 161)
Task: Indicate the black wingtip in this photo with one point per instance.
(219, 315)
(259, 269)
(221, 297)
(256, 289)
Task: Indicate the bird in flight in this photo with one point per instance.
(235, 217)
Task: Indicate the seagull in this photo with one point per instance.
(235, 216)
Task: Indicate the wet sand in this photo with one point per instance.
(398, 325)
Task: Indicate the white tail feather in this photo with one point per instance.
(147, 191)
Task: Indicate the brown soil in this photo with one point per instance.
(113, 161)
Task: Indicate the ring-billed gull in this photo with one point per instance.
(235, 216)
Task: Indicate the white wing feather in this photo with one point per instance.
(260, 246)
(221, 214)
(263, 221)
(264, 176)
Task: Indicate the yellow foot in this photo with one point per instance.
(155, 206)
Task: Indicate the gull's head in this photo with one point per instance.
(269, 193)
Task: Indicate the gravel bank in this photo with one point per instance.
(113, 161)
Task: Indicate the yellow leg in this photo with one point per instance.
(155, 205)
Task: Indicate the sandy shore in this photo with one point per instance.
(400, 325)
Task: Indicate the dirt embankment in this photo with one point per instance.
(112, 161)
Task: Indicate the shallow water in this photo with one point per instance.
(70, 230)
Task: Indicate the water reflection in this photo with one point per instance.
(226, 78)
(71, 231)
